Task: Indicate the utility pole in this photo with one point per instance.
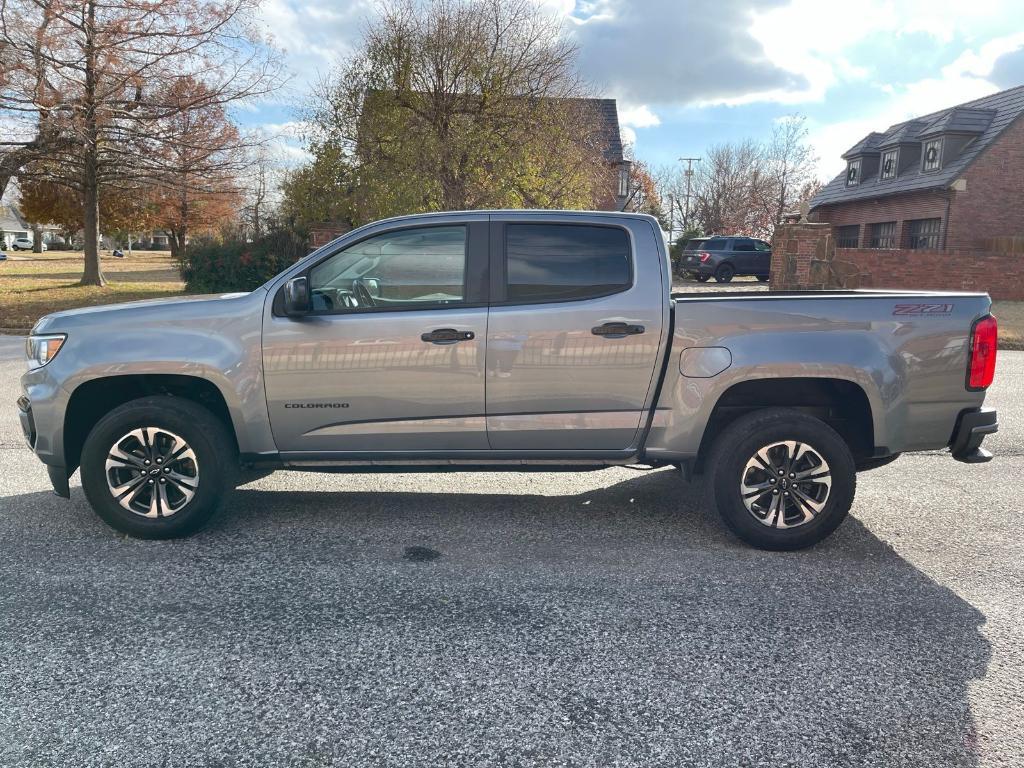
(671, 218)
(689, 178)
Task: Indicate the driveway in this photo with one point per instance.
(595, 619)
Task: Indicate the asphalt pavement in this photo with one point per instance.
(596, 619)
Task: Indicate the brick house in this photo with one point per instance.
(948, 180)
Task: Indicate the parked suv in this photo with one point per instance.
(725, 257)
(24, 244)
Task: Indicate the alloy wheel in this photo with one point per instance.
(152, 472)
(785, 484)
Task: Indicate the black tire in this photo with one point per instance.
(724, 273)
(864, 465)
(739, 443)
(216, 465)
(702, 278)
(762, 278)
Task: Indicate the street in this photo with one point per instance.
(597, 619)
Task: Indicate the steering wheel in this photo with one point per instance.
(362, 293)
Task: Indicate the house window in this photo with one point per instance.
(848, 236)
(924, 233)
(883, 235)
(853, 173)
(931, 158)
(888, 168)
(623, 182)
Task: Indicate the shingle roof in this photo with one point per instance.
(607, 116)
(985, 118)
(867, 145)
(10, 219)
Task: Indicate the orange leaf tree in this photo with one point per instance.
(89, 88)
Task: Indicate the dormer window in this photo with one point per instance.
(931, 156)
(888, 166)
(853, 173)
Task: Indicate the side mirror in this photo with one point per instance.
(296, 297)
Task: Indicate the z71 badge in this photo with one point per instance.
(923, 309)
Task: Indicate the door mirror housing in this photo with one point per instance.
(296, 297)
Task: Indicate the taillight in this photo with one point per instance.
(704, 256)
(981, 368)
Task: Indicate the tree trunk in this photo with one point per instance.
(93, 274)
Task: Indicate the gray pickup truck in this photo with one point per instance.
(505, 340)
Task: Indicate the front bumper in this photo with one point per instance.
(972, 426)
(58, 474)
(28, 424)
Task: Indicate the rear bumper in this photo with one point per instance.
(972, 425)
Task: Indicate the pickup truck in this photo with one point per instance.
(505, 341)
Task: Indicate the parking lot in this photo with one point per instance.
(596, 619)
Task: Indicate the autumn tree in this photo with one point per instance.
(197, 157)
(456, 104)
(92, 85)
(47, 202)
(644, 195)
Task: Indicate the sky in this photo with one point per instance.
(688, 74)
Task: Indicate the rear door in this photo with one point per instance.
(744, 255)
(577, 316)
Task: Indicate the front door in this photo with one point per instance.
(391, 359)
(574, 333)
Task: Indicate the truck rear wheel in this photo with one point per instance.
(782, 480)
(158, 467)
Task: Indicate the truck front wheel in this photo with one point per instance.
(158, 467)
(782, 480)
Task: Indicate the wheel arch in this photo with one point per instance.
(841, 403)
(93, 399)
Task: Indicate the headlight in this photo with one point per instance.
(42, 349)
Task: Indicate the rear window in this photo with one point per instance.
(715, 244)
(565, 262)
(743, 245)
(694, 245)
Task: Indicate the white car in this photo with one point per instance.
(24, 244)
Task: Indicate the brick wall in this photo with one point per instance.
(804, 257)
(993, 203)
(1001, 275)
(899, 208)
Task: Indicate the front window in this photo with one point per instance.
(623, 182)
(932, 156)
(853, 173)
(924, 234)
(883, 235)
(888, 168)
(404, 269)
(848, 236)
(566, 262)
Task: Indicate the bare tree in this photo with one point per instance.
(746, 187)
(93, 86)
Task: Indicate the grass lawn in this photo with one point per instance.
(35, 284)
(1010, 315)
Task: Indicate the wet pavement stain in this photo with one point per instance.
(420, 554)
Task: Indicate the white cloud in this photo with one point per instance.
(638, 117)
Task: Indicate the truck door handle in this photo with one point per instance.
(617, 330)
(447, 336)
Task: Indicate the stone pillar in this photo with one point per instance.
(804, 258)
